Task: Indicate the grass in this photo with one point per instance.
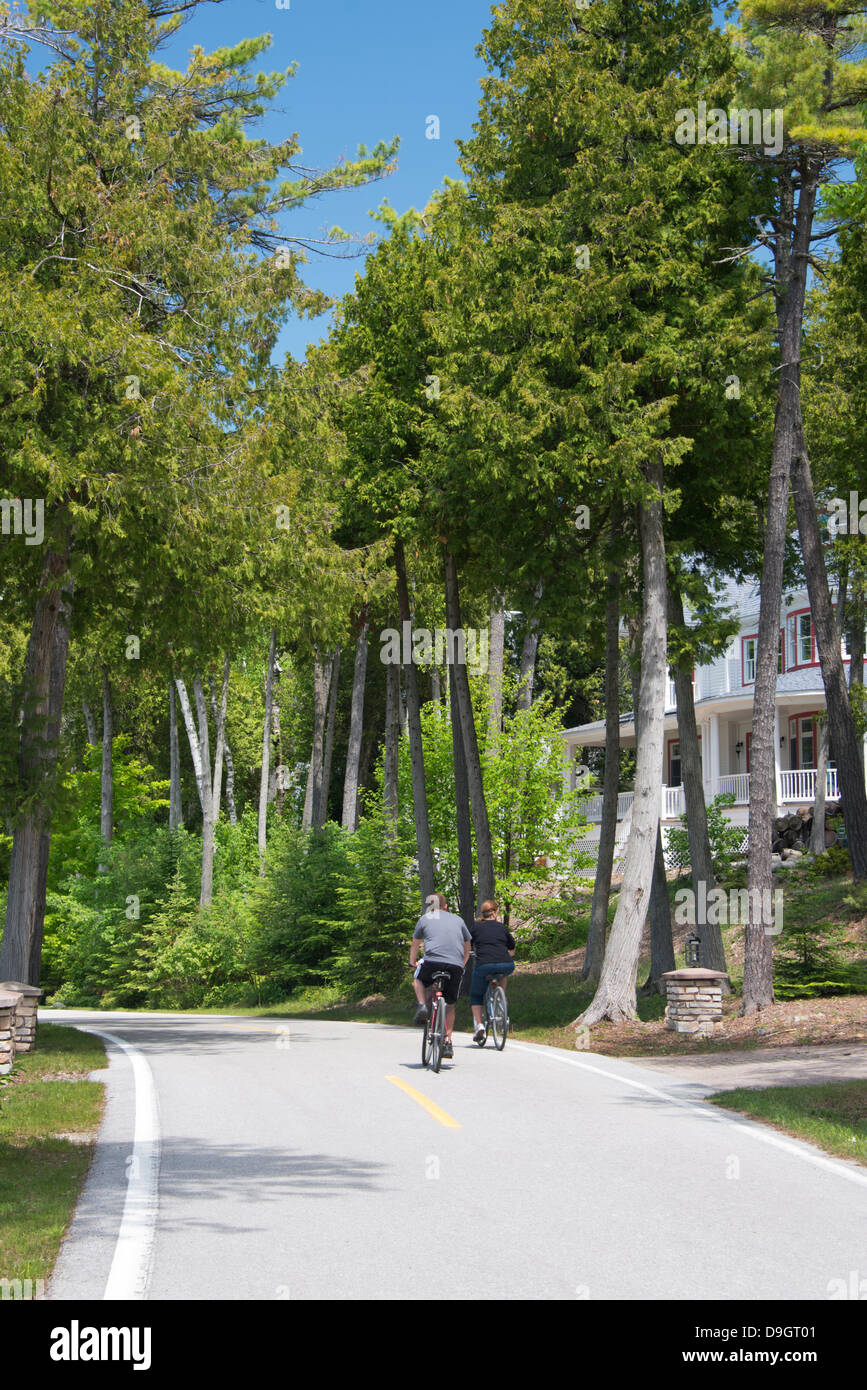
(43, 1169)
(833, 1116)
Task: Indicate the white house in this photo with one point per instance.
(723, 694)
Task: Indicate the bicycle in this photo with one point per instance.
(496, 1013)
(434, 1034)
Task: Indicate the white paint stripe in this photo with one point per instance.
(752, 1128)
(131, 1266)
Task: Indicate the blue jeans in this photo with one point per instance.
(482, 973)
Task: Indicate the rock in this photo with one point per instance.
(371, 999)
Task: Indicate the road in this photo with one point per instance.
(257, 1159)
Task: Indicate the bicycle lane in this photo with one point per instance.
(293, 1168)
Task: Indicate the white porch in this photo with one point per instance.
(797, 787)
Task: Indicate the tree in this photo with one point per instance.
(159, 311)
(803, 58)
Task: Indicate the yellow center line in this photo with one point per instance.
(426, 1104)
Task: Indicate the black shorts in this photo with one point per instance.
(451, 986)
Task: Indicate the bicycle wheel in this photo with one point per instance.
(437, 1034)
(499, 1018)
(425, 1042)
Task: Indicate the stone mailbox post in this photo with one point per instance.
(25, 1013)
(694, 1000)
(8, 1003)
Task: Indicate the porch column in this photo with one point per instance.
(714, 756)
(778, 781)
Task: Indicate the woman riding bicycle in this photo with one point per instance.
(494, 946)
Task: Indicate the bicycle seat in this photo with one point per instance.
(440, 975)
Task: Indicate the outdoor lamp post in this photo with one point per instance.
(693, 944)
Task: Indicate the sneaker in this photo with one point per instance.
(448, 1050)
(479, 1034)
(422, 1014)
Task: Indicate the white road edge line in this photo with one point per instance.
(750, 1127)
(130, 1270)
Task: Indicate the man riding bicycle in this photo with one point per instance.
(447, 950)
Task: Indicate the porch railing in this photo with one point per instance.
(800, 785)
(592, 808)
(737, 783)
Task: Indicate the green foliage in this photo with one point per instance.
(831, 863)
(379, 907)
(299, 918)
(552, 925)
(727, 841)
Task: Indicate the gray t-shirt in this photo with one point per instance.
(443, 934)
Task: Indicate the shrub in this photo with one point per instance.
(727, 842)
(379, 907)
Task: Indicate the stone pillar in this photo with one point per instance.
(9, 1001)
(693, 1000)
(25, 1013)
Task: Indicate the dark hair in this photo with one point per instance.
(490, 908)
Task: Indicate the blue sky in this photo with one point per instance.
(366, 72)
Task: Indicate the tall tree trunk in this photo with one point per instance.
(176, 815)
(392, 737)
(266, 753)
(349, 819)
(711, 950)
(817, 830)
(57, 685)
(91, 724)
(790, 269)
(460, 680)
(528, 655)
(598, 929)
(230, 765)
(661, 941)
(333, 679)
(466, 903)
(106, 792)
(37, 764)
(210, 796)
(436, 691)
(856, 660)
(413, 710)
(495, 668)
(219, 751)
(615, 996)
(313, 796)
(841, 726)
(199, 741)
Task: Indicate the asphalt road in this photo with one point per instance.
(255, 1159)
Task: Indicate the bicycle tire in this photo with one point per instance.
(425, 1041)
(437, 1034)
(499, 1018)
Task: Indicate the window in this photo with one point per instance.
(674, 763)
(749, 648)
(749, 657)
(802, 741)
(800, 636)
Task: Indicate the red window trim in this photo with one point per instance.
(796, 665)
(754, 636)
(793, 719)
